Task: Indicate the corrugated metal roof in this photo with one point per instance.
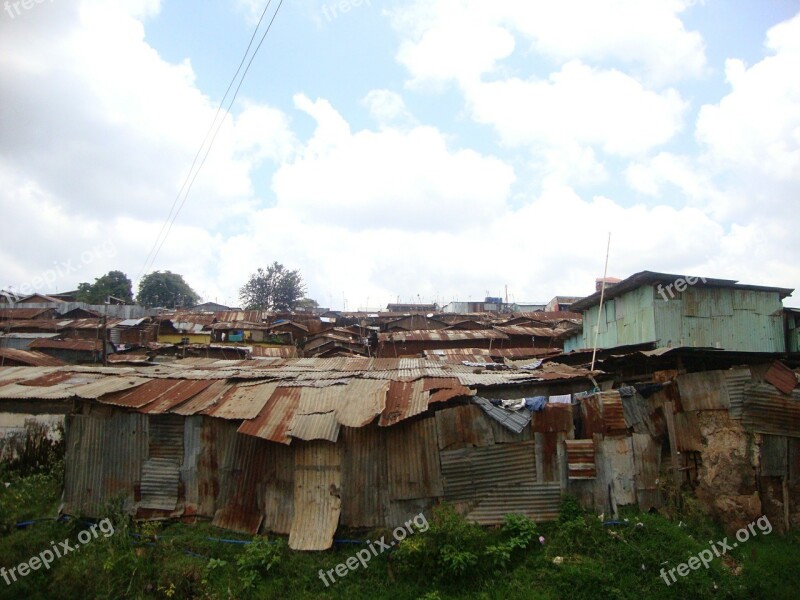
(243, 402)
(580, 459)
(141, 395)
(514, 420)
(178, 395)
(27, 357)
(77, 345)
(706, 390)
(447, 335)
(404, 399)
(272, 423)
(315, 426)
(317, 502)
(768, 411)
(527, 331)
(205, 399)
(367, 399)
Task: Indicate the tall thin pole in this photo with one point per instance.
(602, 297)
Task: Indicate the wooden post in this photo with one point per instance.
(669, 417)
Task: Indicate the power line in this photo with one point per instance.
(188, 182)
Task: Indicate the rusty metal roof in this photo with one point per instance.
(273, 422)
(28, 357)
(78, 345)
(527, 331)
(782, 377)
(443, 335)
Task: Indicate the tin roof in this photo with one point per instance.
(277, 399)
(28, 357)
(447, 335)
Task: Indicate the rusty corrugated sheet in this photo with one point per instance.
(613, 413)
(241, 477)
(537, 501)
(549, 453)
(618, 469)
(445, 335)
(206, 399)
(403, 400)
(272, 423)
(647, 465)
(317, 426)
(364, 400)
(79, 345)
(554, 417)
(735, 380)
(768, 411)
(472, 474)
(243, 402)
(178, 395)
(413, 460)
(782, 377)
(580, 459)
(444, 389)
(317, 491)
(527, 331)
(591, 415)
(365, 477)
(706, 390)
(141, 395)
(29, 357)
(83, 472)
(463, 426)
(161, 470)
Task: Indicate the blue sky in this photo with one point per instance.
(430, 150)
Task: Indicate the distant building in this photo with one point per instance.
(560, 303)
(673, 311)
(411, 308)
(212, 307)
(609, 281)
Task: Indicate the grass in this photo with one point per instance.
(581, 557)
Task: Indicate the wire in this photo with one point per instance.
(188, 182)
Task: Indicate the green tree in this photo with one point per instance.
(273, 288)
(307, 304)
(167, 289)
(113, 283)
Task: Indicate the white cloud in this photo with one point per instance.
(387, 107)
(464, 39)
(388, 179)
(580, 105)
(757, 125)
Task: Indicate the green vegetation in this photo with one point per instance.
(113, 284)
(273, 288)
(579, 557)
(165, 289)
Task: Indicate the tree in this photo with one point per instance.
(276, 288)
(113, 283)
(167, 289)
(308, 304)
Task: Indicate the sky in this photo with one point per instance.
(408, 150)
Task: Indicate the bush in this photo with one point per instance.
(455, 549)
